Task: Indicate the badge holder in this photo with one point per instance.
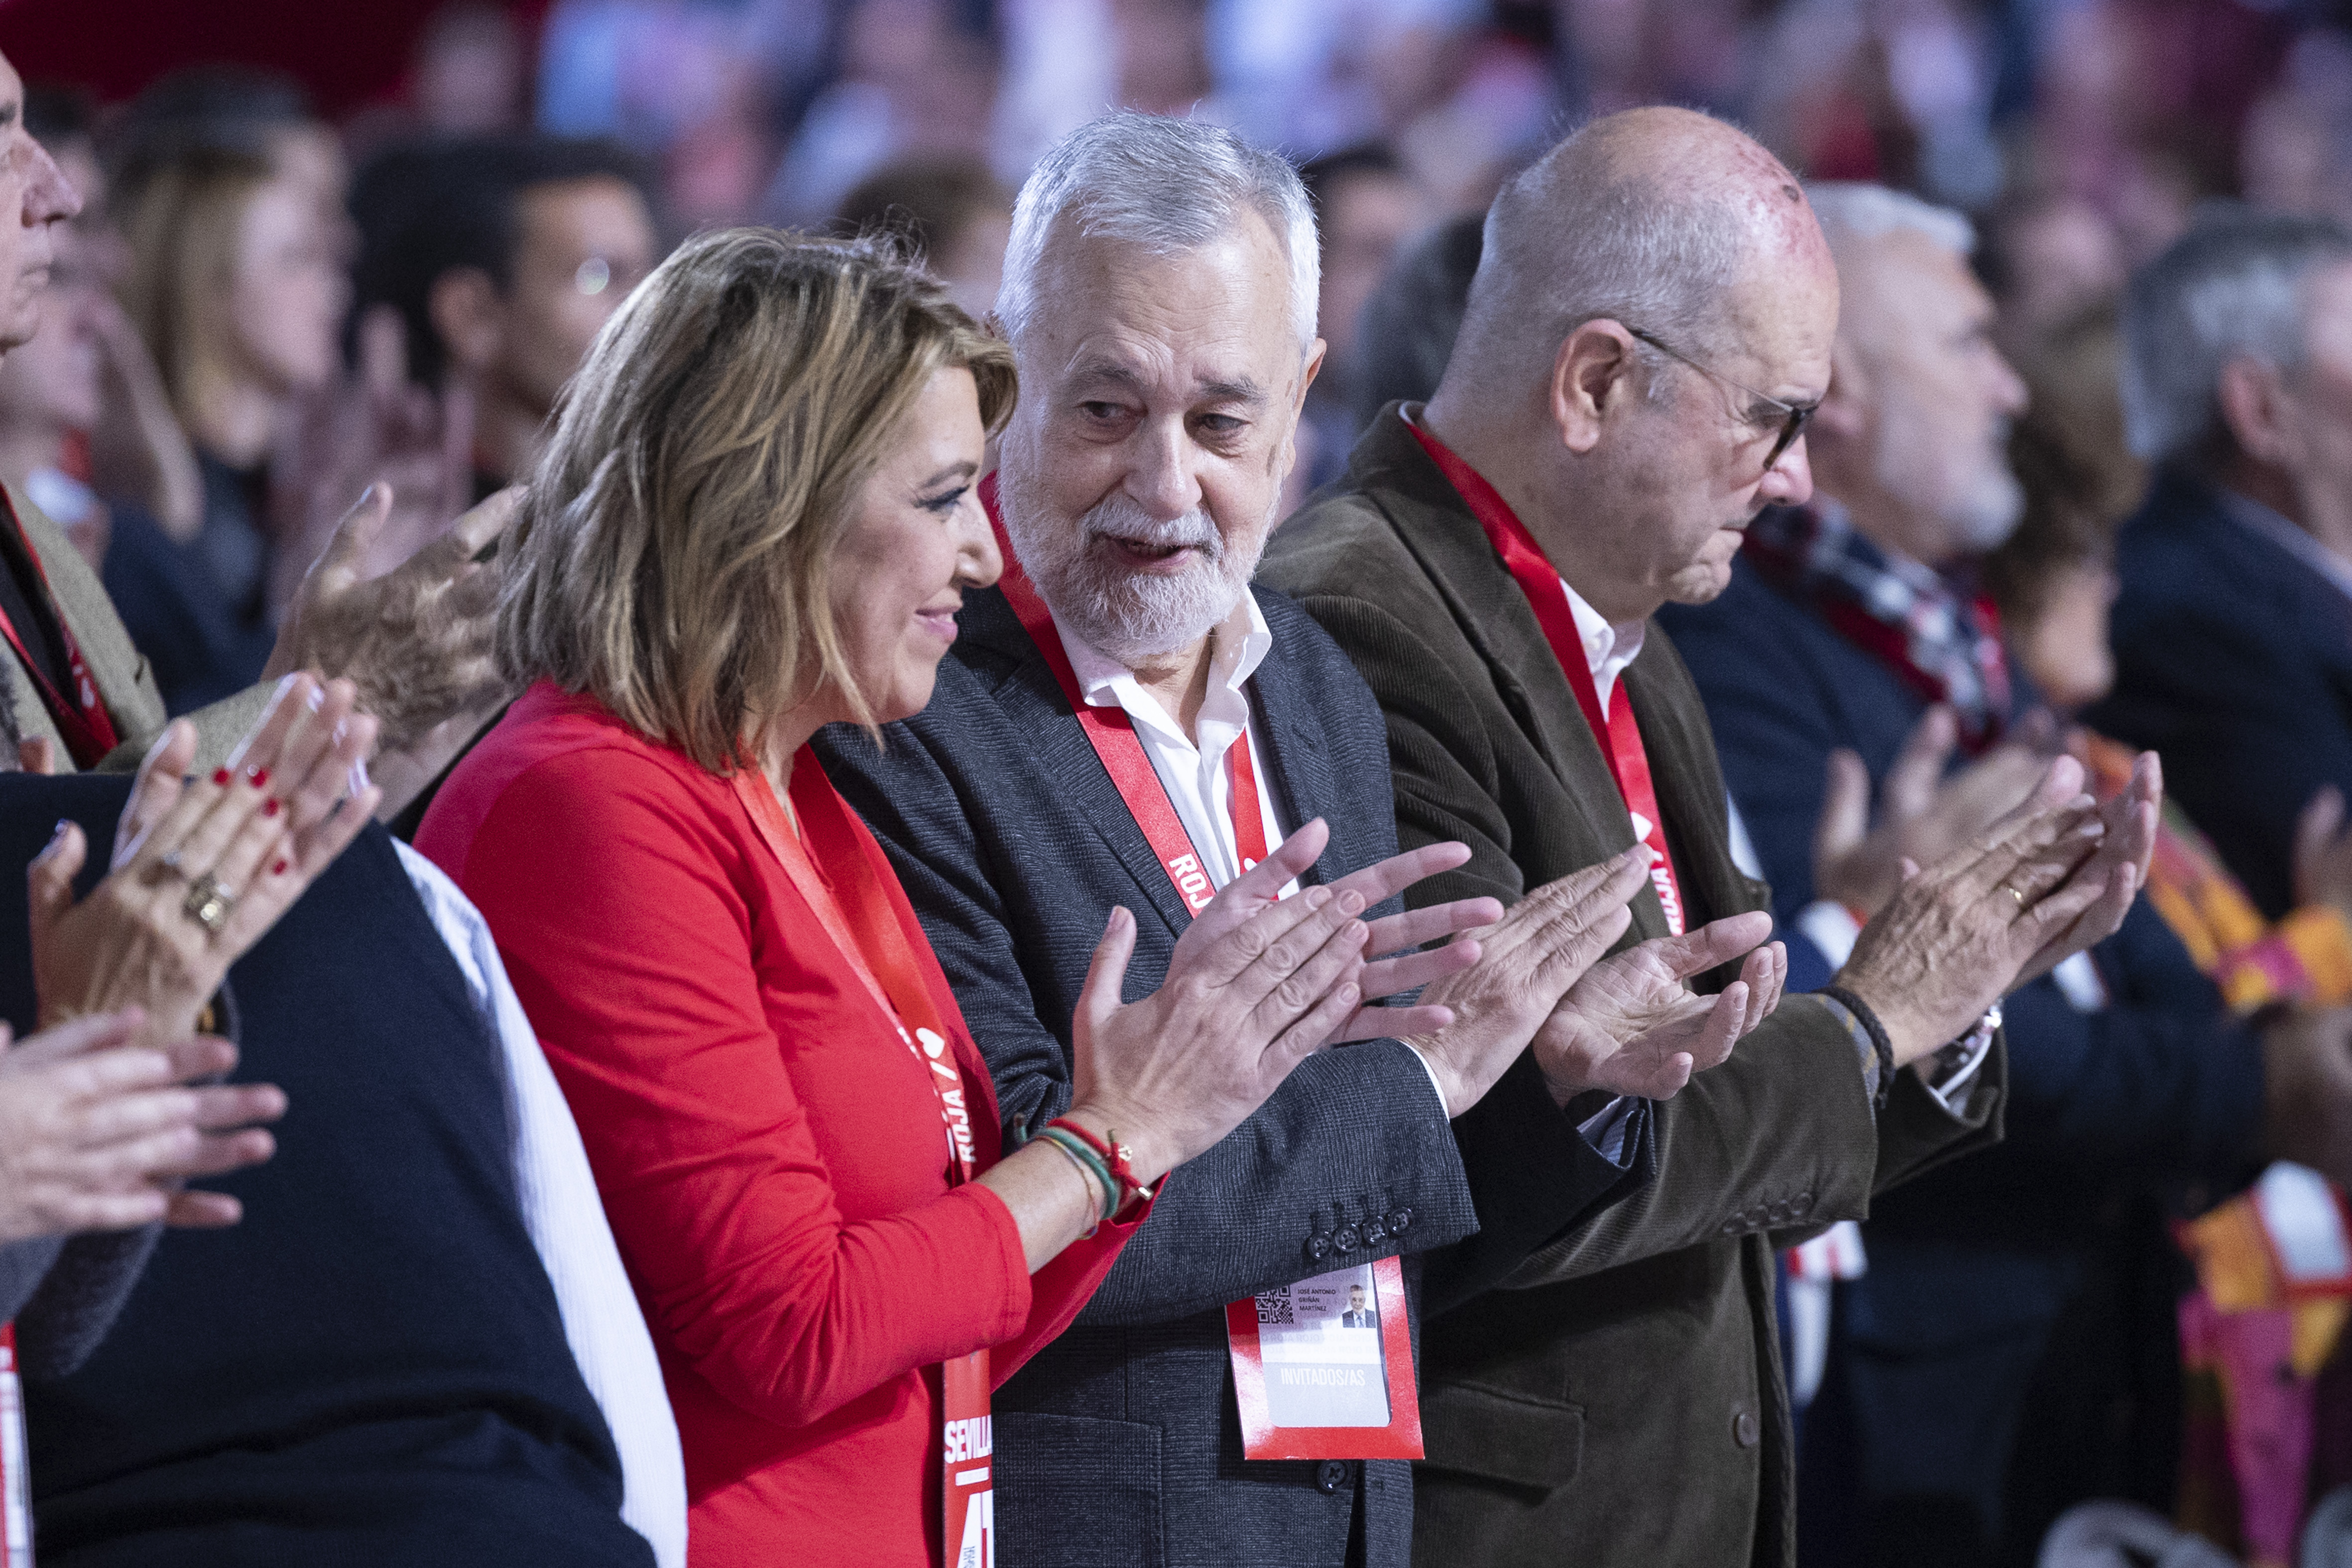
(2306, 1231)
(1323, 1368)
(16, 1494)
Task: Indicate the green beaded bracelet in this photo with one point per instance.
(1089, 1162)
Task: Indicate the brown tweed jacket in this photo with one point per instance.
(124, 678)
(1619, 1403)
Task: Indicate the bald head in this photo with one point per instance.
(1666, 219)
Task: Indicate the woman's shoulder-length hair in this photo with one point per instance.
(672, 553)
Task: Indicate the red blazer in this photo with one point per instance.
(768, 1150)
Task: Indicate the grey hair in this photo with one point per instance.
(1850, 209)
(2231, 287)
(1169, 185)
(1567, 243)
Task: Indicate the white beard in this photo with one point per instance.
(1128, 616)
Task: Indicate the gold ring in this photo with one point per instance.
(208, 904)
(2015, 894)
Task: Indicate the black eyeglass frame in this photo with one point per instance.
(1793, 427)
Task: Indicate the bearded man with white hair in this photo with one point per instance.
(1124, 721)
(1996, 1354)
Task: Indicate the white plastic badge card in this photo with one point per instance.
(1323, 1368)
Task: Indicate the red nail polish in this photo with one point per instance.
(269, 807)
(220, 775)
(278, 870)
(260, 775)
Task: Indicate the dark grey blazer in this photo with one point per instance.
(1120, 1442)
(1621, 1401)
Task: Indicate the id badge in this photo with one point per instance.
(1323, 1368)
(968, 1500)
(15, 1490)
(2304, 1223)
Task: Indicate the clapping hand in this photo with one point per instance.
(96, 1132)
(1923, 816)
(1632, 1025)
(201, 868)
(1409, 965)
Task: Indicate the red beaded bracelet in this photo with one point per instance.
(1115, 1155)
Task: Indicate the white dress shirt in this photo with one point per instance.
(565, 1217)
(1198, 784)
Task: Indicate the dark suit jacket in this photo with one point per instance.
(2161, 1083)
(371, 1368)
(2234, 662)
(1622, 1401)
(1121, 1441)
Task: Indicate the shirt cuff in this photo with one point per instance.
(1955, 1066)
(1606, 1129)
(1433, 1087)
(1833, 927)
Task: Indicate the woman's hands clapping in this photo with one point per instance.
(201, 869)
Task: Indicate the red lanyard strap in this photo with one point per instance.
(856, 914)
(80, 715)
(1547, 595)
(1112, 734)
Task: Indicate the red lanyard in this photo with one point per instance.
(1619, 734)
(16, 1500)
(850, 901)
(82, 718)
(1113, 736)
(856, 912)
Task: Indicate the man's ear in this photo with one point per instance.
(2252, 397)
(1594, 375)
(468, 318)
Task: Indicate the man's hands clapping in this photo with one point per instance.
(1632, 1025)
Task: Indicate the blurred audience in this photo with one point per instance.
(1367, 209)
(2231, 637)
(237, 287)
(952, 211)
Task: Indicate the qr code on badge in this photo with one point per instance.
(1273, 1307)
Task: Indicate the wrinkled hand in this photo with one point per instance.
(1242, 1005)
(94, 1129)
(1408, 965)
(1923, 817)
(1530, 957)
(417, 640)
(1631, 1025)
(262, 828)
(2307, 1088)
(2048, 880)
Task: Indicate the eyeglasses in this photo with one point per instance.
(1793, 419)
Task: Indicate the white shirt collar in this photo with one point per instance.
(2282, 531)
(1607, 649)
(1238, 644)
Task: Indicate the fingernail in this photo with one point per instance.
(257, 776)
(62, 826)
(360, 776)
(1317, 897)
(278, 870)
(220, 775)
(269, 807)
(1350, 902)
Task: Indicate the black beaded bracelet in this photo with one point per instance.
(1878, 1040)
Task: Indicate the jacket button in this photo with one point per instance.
(1330, 1475)
(1349, 1239)
(1744, 1428)
(1397, 1219)
(1319, 1247)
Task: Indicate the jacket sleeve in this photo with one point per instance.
(1350, 1159)
(596, 875)
(2249, 729)
(2162, 1078)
